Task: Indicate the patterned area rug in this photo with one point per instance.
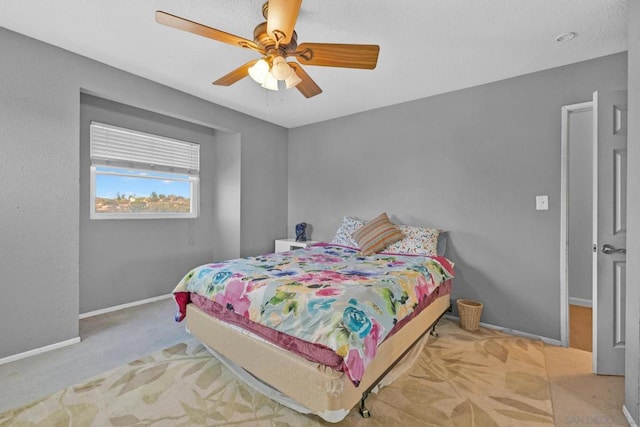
(483, 378)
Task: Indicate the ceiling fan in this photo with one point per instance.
(276, 40)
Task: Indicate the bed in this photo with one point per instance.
(317, 328)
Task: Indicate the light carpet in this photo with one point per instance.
(482, 378)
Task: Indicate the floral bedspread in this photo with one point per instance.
(324, 294)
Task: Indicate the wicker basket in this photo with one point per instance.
(469, 312)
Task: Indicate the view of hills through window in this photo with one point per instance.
(136, 191)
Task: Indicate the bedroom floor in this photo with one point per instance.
(114, 339)
(108, 341)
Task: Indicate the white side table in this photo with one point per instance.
(284, 245)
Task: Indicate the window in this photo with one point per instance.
(139, 175)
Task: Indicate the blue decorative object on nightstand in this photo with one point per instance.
(301, 232)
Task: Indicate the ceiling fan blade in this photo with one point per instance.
(363, 56)
(202, 30)
(307, 86)
(238, 74)
(281, 18)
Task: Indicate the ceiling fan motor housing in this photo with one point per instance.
(270, 45)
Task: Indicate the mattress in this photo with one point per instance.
(326, 295)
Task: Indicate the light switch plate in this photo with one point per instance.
(542, 203)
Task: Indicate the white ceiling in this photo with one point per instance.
(427, 47)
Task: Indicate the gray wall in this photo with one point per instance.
(263, 200)
(40, 88)
(632, 360)
(470, 162)
(227, 194)
(39, 192)
(580, 204)
(130, 260)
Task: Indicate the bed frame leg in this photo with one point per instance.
(433, 332)
(363, 410)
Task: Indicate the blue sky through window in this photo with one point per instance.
(139, 183)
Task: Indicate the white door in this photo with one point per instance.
(609, 231)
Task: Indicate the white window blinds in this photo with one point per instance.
(112, 145)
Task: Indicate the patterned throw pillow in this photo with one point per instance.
(344, 235)
(416, 241)
(376, 235)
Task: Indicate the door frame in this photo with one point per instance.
(567, 110)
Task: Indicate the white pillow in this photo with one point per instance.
(416, 241)
(344, 235)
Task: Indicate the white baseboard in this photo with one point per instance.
(546, 340)
(581, 302)
(123, 306)
(39, 350)
(628, 416)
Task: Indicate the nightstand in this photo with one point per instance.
(284, 245)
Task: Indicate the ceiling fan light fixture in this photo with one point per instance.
(280, 69)
(270, 82)
(259, 71)
(292, 80)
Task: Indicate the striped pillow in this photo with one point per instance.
(376, 235)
